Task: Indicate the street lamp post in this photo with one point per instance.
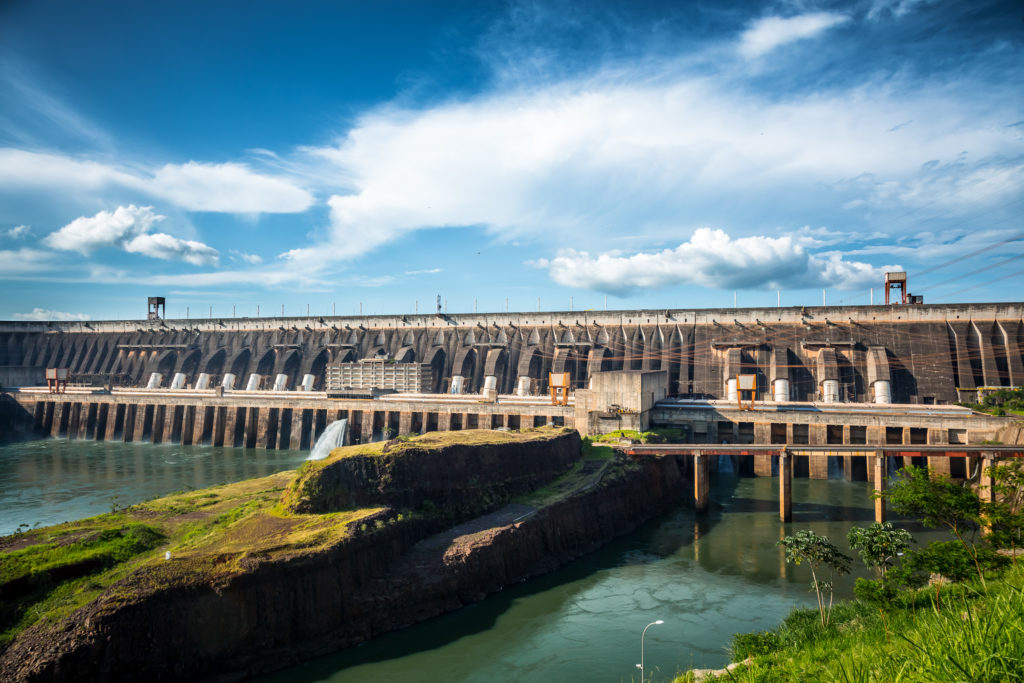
(641, 664)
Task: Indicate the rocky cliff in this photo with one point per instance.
(267, 609)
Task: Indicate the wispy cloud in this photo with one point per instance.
(128, 228)
(225, 188)
(711, 258)
(769, 33)
(253, 259)
(45, 314)
(18, 231)
(428, 271)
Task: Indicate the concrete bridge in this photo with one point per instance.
(912, 354)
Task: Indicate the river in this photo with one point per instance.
(706, 577)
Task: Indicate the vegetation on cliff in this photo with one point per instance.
(212, 536)
(1001, 402)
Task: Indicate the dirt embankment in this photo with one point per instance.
(281, 610)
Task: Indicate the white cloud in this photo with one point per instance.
(631, 153)
(711, 258)
(19, 231)
(896, 8)
(768, 33)
(428, 271)
(128, 227)
(225, 188)
(228, 188)
(20, 261)
(105, 229)
(254, 259)
(45, 314)
(168, 248)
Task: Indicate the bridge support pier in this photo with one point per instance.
(987, 486)
(701, 483)
(785, 486)
(880, 474)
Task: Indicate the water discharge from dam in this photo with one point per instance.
(333, 437)
(707, 577)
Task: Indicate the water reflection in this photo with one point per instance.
(52, 481)
(708, 577)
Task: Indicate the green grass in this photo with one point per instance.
(660, 435)
(968, 633)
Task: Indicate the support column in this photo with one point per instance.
(295, 438)
(762, 463)
(701, 483)
(817, 466)
(159, 419)
(879, 477)
(405, 423)
(987, 486)
(875, 436)
(367, 431)
(785, 486)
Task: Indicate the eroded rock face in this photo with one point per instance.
(280, 612)
(457, 479)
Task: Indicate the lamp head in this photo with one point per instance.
(659, 621)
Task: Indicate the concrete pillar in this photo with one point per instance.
(295, 439)
(987, 485)
(262, 434)
(817, 434)
(817, 466)
(230, 420)
(113, 413)
(701, 481)
(405, 423)
(879, 472)
(785, 487)
(159, 418)
(762, 432)
(220, 416)
(199, 425)
(73, 420)
(367, 430)
(444, 421)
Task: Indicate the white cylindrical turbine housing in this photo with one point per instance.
(781, 391)
(203, 382)
(883, 391)
(281, 383)
(830, 390)
(155, 380)
(228, 382)
(730, 390)
(523, 386)
(254, 382)
(179, 381)
(307, 382)
(457, 382)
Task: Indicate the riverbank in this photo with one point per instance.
(252, 585)
(963, 632)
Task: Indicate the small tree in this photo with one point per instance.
(1006, 514)
(939, 502)
(819, 553)
(879, 545)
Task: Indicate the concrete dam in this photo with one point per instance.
(824, 375)
(919, 354)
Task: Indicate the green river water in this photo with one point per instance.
(707, 577)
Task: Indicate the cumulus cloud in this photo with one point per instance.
(711, 258)
(46, 314)
(19, 231)
(224, 188)
(768, 33)
(128, 227)
(105, 229)
(168, 248)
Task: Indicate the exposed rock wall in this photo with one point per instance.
(278, 613)
(456, 478)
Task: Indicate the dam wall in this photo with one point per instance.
(926, 353)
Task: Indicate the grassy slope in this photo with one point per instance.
(212, 535)
(972, 633)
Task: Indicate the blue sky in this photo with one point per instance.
(339, 155)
